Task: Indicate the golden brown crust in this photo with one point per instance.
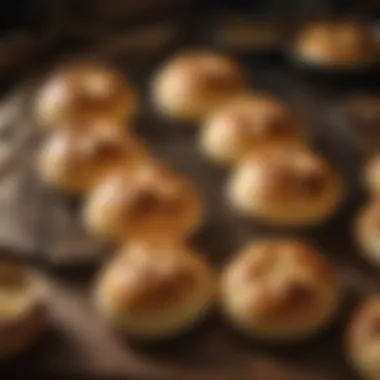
(259, 259)
(337, 42)
(282, 286)
(362, 338)
(283, 186)
(23, 313)
(365, 324)
(146, 287)
(248, 123)
(301, 174)
(367, 231)
(287, 302)
(208, 71)
(372, 174)
(150, 202)
(85, 91)
(155, 290)
(90, 86)
(76, 161)
(192, 83)
(368, 223)
(268, 115)
(293, 180)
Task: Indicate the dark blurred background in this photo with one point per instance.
(37, 14)
(32, 30)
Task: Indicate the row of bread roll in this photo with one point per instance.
(191, 84)
(276, 290)
(24, 298)
(276, 177)
(363, 343)
(127, 195)
(85, 107)
(280, 290)
(154, 286)
(210, 89)
(91, 153)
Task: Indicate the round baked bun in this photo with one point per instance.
(367, 231)
(75, 161)
(149, 203)
(372, 175)
(280, 290)
(363, 339)
(248, 122)
(192, 83)
(337, 43)
(286, 187)
(155, 291)
(84, 91)
(23, 308)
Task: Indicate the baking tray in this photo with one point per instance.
(44, 228)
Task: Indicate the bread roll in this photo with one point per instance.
(23, 312)
(155, 291)
(280, 290)
(367, 232)
(85, 91)
(363, 342)
(192, 83)
(337, 43)
(74, 161)
(372, 175)
(286, 187)
(246, 123)
(149, 203)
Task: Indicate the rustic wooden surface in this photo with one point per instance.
(44, 227)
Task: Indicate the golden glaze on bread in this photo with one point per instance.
(286, 186)
(152, 291)
(23, 300)
(192, 83)
(280, 289)
(372, 175)
(75, 161)
(82, 92)
(151, 202)
(363, 339)
(336, 43)
(367, 232)
(249, 122)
